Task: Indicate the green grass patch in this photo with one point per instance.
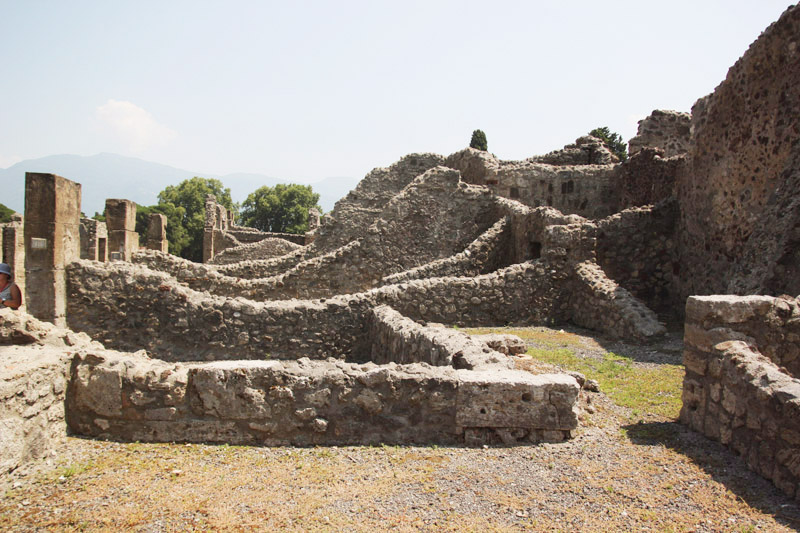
(651, 390)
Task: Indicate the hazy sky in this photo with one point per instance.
(313, 89)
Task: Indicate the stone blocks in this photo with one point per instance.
(312, 402)
(741, 386)
(123, 240)
(52, 240)
(157, 233)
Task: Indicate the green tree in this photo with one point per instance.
(5, 213)
(478, 141)
(185, 208)
(613, 141)
(279, 209)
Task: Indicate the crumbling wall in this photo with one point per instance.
(586, 150)
(94, 240)
(636, 248)
(353, 214)
(739, 229)
(397, 339)
(647, 178)
(12, 251)
(666, 131)
(741, 385)
(33, 370)
(600, 304)
(583, 189)
(264, 249)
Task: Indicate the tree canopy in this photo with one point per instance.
(479, 141)
(279, 209)
(613, 141)
(5, 213)
(185, 208)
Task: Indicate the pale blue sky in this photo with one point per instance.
(312, 89)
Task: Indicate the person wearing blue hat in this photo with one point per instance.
(10, 295)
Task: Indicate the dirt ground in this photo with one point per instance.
(621, 472)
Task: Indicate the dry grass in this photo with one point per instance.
(617, 474)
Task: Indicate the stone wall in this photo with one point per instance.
(636, 248)
(600, 304)
(397, 339)
(94, 240)
(667, 131)
(353, 214)
(741, 385)
(12, 251)
(647, 178)
(264, 249)
(586, 150)
(33, 369)
(739, 229)
(314, 402)
(583, 189)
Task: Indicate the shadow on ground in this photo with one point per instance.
(722, 464)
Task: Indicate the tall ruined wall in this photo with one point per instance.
(742, 358)
(403, 237)
(583, 189)
(354, 213)
(740, 213)
(647, 178)
(667, 131)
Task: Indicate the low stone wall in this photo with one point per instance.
(268, 248)
(397, 339)
(34, 364)
(314, 402)
(129, 307)
(600, 304)
(733, 392)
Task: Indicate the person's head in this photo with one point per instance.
(5, 273)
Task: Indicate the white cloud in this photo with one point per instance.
(133, 125)
(9, 160)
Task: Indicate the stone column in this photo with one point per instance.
(208, 230)
(157, 233)
(123, 240)
(13, 251)
(52, 240)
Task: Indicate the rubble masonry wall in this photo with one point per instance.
(741, 386)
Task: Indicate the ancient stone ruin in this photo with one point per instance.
(335, 337)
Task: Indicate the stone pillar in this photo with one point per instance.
(13, 251)
(123, 240)
(52, 240)
(157, 232)
(313, 226)
(208, 230)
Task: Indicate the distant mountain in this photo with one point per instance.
(105, 176)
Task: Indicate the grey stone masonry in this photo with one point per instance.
(34, 364)
(741, 386)
(308, 402)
